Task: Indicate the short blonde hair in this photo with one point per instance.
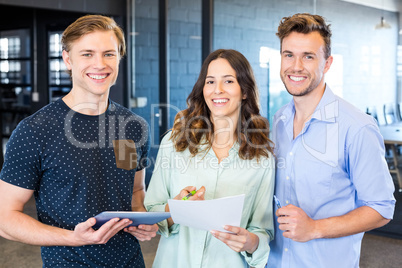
(88, 24)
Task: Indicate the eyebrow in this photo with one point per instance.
(92, 51)
(225, 76)
(304, 53)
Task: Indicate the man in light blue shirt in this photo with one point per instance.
(332, 178)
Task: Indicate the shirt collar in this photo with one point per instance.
(326, 110)
(205, 147)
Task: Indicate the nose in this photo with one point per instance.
(99, 62)
(298, 64)
(219, 88)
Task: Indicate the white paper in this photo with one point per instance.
(208, 214)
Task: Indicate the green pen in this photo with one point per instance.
(190, 194)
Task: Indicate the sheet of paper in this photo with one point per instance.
(208, 214)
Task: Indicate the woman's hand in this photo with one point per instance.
(239, 239)
(199, 195)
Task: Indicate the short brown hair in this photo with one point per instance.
(91, 23)
(306, 23)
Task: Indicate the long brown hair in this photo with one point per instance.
(193, 125)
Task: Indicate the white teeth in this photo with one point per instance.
(220, 101)
(297, 78)
(98, 77)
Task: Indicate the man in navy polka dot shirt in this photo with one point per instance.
(79, 156)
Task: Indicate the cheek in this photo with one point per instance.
(206, 91)
(284, 67)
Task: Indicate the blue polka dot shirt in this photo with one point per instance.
(78, 166)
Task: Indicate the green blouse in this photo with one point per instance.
(182, 246)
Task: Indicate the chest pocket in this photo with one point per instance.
(125, 154)
(315, 181)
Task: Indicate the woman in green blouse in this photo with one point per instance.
(218, 146)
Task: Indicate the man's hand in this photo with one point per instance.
(296, 224)
(239, 240)
(84, 234)
(143, 232)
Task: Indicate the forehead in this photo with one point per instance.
(220, 66)
(299, 42)
(96, 40)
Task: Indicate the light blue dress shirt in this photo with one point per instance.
(335, 165)
(182, 246)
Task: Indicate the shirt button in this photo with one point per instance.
(287, 202)
(291, 153)
(287, 177)
(286, 249)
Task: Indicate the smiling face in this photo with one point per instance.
(303, 63)
(222, 92)
(94, 62)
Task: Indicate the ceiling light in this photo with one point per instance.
(382, 25)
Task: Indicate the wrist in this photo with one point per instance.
(254, 244)
(70, 239)
(318, 229)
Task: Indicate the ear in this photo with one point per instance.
(328, 64)
(244, 96)
(66, 59)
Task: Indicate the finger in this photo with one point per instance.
(90, 222)
(283, 220)
(115, 228)
(283, 227)
(107, 226)
(142, 232)
(223, 236)
(140, 235)
(201, 191)
(148, 228)
(188, 189)
(229, 239)
(232, 229)
(184, 192)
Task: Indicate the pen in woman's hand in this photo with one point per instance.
(190, 194)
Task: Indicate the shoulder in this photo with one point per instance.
(119, 110)
(45, 118)
(353, 117)
(267, 162)
(352, 123)
(167, 140)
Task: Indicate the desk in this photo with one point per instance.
(393, 136)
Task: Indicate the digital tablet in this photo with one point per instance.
(137, 218)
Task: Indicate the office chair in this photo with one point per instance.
(390, 114)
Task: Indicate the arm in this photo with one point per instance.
(374, 187)
(158, 191)
(370, 176)
(142, 232)
(137, 202)
(252, 241)
(298, 226)
(17, 226)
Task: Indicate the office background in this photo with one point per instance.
(168, 39)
